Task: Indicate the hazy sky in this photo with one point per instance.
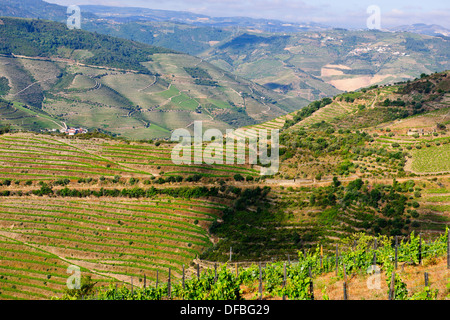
(340, 13)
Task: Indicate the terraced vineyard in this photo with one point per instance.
(122, 209)
(109, 238)
(324, 221)
(42, 157)
(28, 272)
(113, 238)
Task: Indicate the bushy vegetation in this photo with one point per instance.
(4, 86)
(45, 39)
(307, 111)
(197, 73)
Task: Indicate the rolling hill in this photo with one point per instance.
(318, 64)
(78, 78)
(302, 60)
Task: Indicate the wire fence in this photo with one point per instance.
(418, 264)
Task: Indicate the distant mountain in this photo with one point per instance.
(132, 14)
(421, 28)
(36, 9)
(317, 64)
(309, 61)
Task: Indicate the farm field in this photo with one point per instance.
(43, 157)
(30, 273)
(109, 238)
(432, 159)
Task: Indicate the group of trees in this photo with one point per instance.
(5, 129)
(45, 38)
(197, 73)
(251, 228)
(4, 86)
(307, 111)
(391, 201)
(136, 192)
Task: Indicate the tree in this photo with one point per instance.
(86, 290)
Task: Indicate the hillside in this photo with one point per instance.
(325, 63)
(82, 79)
(373, 161)
(356, 171)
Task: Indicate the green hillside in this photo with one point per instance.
(122, 87)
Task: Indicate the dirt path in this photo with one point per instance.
(53, 251)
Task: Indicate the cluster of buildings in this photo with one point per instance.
(420, 132)
(382, 49)
(74, 131)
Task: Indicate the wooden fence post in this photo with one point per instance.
(448, 249)
(168, 285)
(321, 257)
(420, 248)
(145, 282)
(157, 278)
(375, 253)
(392, 287)
(198, 271)
(237, 271)
(284, 280)
(215, 272)
(260, 282)
(337, 260)
(396, 252)
(345, 284)
(131, 286)
(311, 286)
(426, 282)
(183, 278)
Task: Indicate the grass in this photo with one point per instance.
(432, 159)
